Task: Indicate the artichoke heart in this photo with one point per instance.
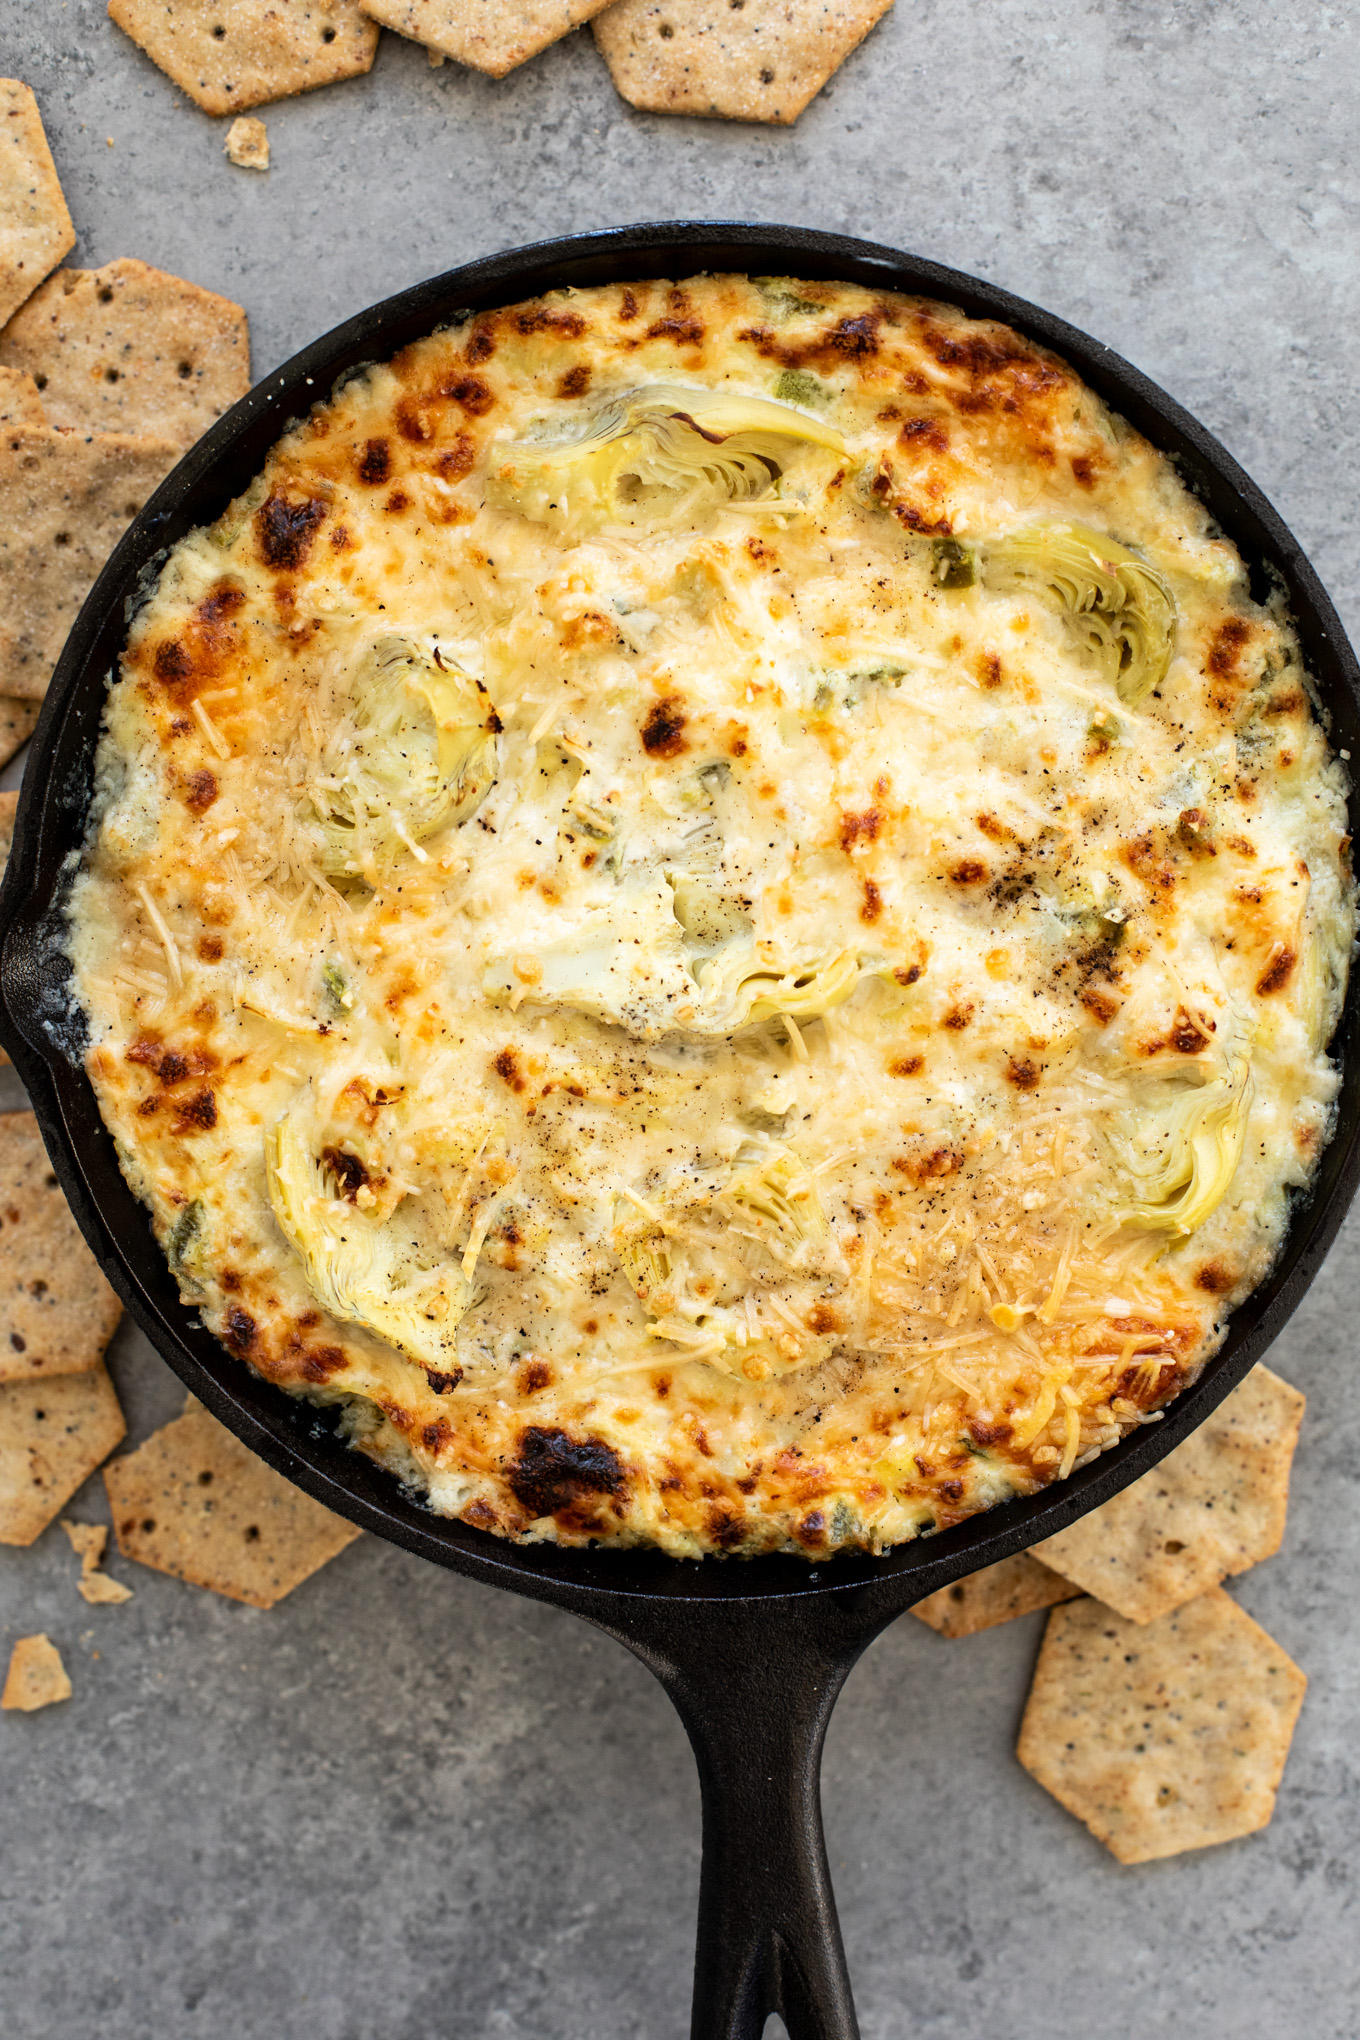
(415, 753)
(1119, 607)
(1183, 1157)
(360, 1270)
(772, 1197)
(751, 1339)
(739, 987)
(662, 451)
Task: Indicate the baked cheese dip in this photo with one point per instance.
(713, 910)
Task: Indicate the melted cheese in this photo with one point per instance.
(714, 910)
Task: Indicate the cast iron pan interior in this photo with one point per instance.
(804, 1623)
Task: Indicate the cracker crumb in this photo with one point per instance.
(247, 143)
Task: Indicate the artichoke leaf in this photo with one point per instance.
(1182, 1158)
(661, 451)
(359, 1270)
(1120, 608)
(416, 753)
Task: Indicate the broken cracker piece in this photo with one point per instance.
(490, 39)
(36, 1675)
(53, 1434)
(231, 54)
(195, 1503)
(1215, 1506)
(57, 1312)
(20, 399)
(96, 1587)
(65, 501)
(758, 60)
(998, 1593)
(35, 227)
(87, 1541)
(1164, 1737)
(129, 348)
(247, 143)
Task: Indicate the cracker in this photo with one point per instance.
(247, 143)
(492, 39)
(193, 1502)
(57, 1312)
(36, 1675)
(759, 60)
(53, 1434)
(1214, 1507)
(1166, 1737)
(231, 54)
(129, 348)
(1000, 1592)
(18, 720)
(20, 398)
(65, 501)
(35, 227)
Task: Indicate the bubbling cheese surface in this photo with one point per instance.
(713, 909)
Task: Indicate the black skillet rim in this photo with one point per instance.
(293, 1437)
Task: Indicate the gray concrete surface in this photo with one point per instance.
(403, 1807)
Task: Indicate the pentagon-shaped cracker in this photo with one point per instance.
(35, 227)
(231, 54)
(1000, 1592)
(20, 398)
(53, 1434)
(490, 38)
(36, 1675)
(129, 348)
(736, 59)
(247, 143)
(65, 501)
(1215, 1506)
(1166, 1737)
(57, 1312)
(195, 1503)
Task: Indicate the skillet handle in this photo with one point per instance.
(755, 1691)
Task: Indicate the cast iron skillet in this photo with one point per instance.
(753, 1654)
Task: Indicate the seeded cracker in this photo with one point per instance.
(193, 1502)
(57, 1313)
(1014, 1586)
(1215, 1506)
(231, 54)
(761, 60)
(1163, 1738)
(247, 143)
(20, 400)
(129, 348)
(490, 38)
(35, 227)
(18, 720)
(53, 1434)
(65, 501)
(36, 1676)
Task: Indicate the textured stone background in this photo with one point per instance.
(403, 1807)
